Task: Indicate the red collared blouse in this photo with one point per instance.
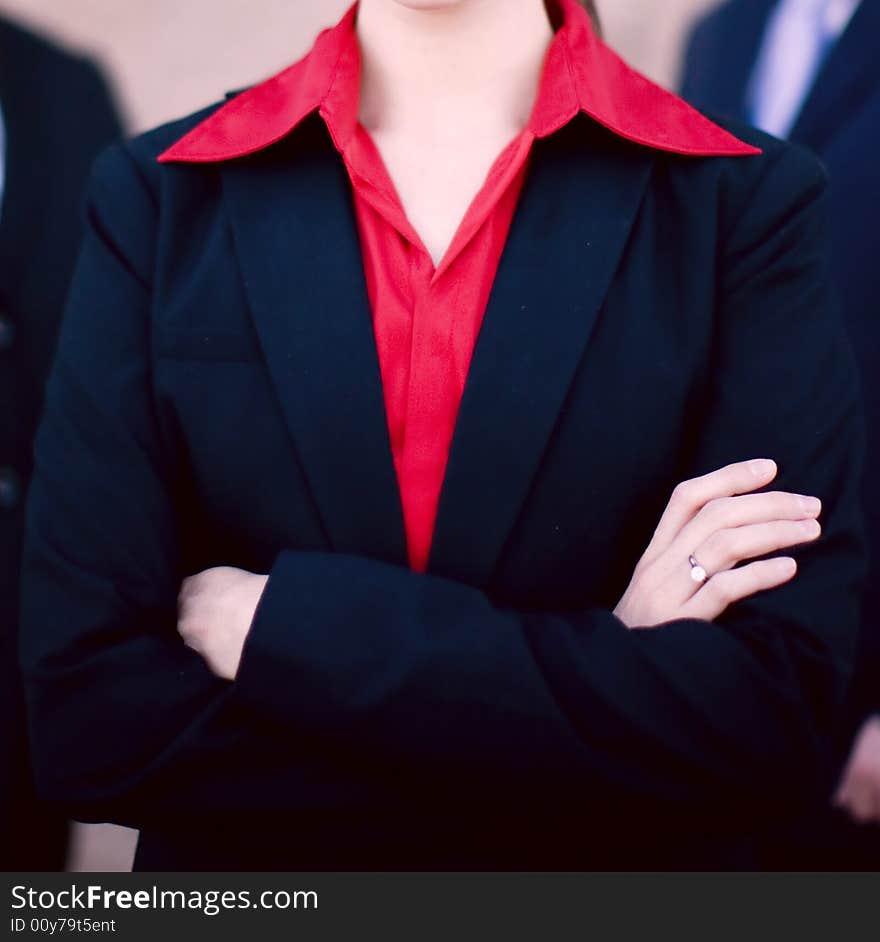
(426, 319)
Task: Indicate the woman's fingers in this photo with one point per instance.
(728, 531)
(726, 513)
(719, 520)
(725, 549)
(754, 508)
(726, 588)
(691, 496)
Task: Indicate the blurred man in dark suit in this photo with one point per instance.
(55, 115)
(809, 70)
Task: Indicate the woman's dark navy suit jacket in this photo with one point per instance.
(216, 400)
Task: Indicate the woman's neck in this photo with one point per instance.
(475, 63)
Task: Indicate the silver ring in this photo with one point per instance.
(698, 574)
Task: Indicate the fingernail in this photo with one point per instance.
(787, 565)
(811, 505)
(811, 527)
(761, 467)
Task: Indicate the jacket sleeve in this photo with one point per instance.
(363, 674)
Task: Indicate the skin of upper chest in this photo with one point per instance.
(439, 178)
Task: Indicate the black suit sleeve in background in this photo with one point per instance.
(404, 678)
(693, 64)
(58, 115)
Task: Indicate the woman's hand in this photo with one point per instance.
(859, 789)
(711, 524)
(215, 609)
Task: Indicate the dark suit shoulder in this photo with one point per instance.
(768, 184)
(797, 159)
(56, 101)
(704, 42)
(21, 45)
(128, 190)
(144, 149)
(714, 23)
(29, 53)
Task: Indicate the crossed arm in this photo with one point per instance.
(128, 722)
(716, 519)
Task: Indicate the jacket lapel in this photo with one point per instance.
(297, 242)
(850, 72)
(570, 229)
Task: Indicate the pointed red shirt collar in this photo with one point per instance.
(581, 74)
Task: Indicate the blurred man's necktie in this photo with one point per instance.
(799, 35)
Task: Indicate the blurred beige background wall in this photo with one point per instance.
(169, 57)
